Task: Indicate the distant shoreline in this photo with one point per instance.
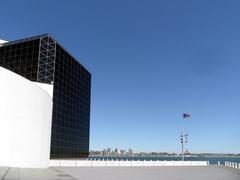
(227, 156)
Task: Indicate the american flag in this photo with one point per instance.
(186, 115)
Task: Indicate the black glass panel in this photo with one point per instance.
(70, 130)
(21, 58)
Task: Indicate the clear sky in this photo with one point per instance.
(150, 62)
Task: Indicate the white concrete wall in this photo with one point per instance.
(46, 87)
(232, 164)
(25, 122)
(116, 163)
(2, 41)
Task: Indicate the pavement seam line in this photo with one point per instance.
(5, 174)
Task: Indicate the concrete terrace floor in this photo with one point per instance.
(33, 174)
(122, 173)
(153, 173)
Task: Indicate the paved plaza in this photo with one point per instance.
(154, 173)
(122, 173)
(33, 174)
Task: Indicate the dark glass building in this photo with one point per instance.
(42, 59)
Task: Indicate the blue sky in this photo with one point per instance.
(150, 62)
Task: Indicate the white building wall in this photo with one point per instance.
(2, 41)
(46, 87)
(25, 122)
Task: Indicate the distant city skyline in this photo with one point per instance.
(116, 152)
(150, 61)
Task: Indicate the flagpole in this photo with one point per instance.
(182, 139)
(184, 135)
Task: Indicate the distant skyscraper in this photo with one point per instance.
(130, 151)
(108, 150)
(42, 59)
(117, 151)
